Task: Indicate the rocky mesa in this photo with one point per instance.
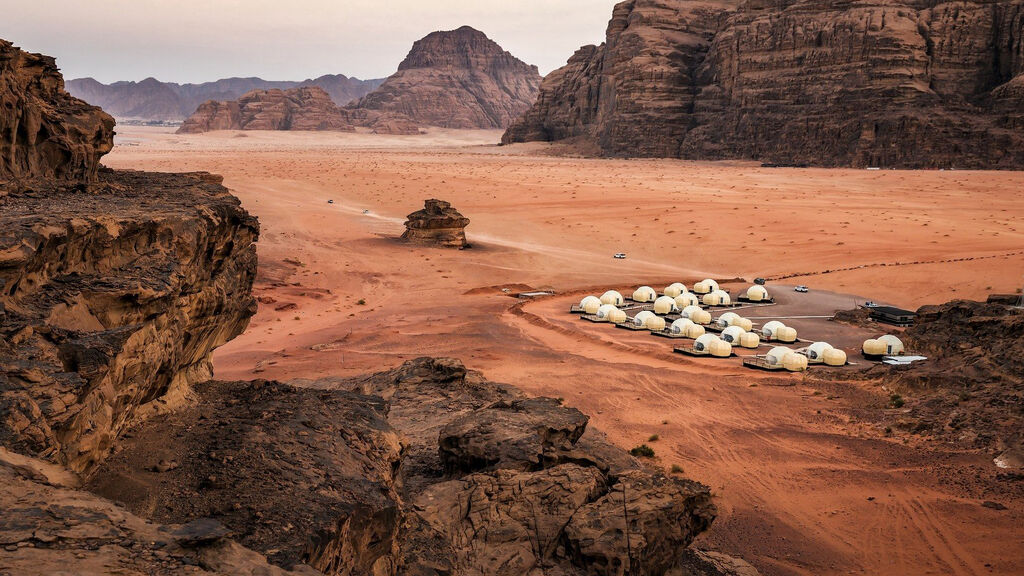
(307, 108)
(454, 79)
(895, 84)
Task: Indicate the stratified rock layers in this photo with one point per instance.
(438, 224)
(111, 301)
(894, 84)
(44, 131)
(307, 108)
(454, 79)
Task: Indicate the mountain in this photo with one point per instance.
(895, 83)
(453, 79)
(153, 100)
(306, 108)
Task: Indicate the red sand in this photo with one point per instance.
(792, 469)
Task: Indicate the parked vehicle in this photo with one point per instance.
(801, 288)
(759, 281)
(620, 255)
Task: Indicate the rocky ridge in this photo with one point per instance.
(307, 108)
(453, 79)
(153, 100)
(45, 132)
(896, 84)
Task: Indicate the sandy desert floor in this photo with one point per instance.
(805, 485)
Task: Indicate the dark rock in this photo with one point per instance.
(201, 532)
(438, 224)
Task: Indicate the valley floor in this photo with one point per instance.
(806, 482)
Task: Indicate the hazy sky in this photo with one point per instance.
(200, 40)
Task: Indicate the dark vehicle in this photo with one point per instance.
(759, 281)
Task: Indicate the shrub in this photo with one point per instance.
(361, 302)
(677, 469)
(642, 451)
(896, 401)
(654, 438)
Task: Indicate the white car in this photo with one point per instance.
(801, 288)
(620, 255)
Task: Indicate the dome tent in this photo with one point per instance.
(680, 325)
(617, 316)
(702, 317)
(732, 334)
(777, 355)
(726, 319)
(795, 362)
(757, 293)
(834, 357)
(750, 340)
(590, 304)
(893, 345)
(703, 343)
(744, 323)
(786, 334)
(655, 324)
(695, 331)
(605, 311)
(716, 298)
(687, 299)
(665, 305)
(720, 349)
(816, 352)
(873, 347)
(770, 328)
(689, 311)
(705, 286)
(644, 294)
(675, 289)
(641, 318)
(612, 297)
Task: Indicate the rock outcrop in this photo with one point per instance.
(151, 100)
(44, 131)
(438, 224)
(365, 458)
(898, 84)
(454, 79)
(308, 108)
(111, 302)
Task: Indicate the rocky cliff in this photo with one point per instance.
(898, 83)
(153, 100)
(45, 132)
(308, 108)
(455, 79)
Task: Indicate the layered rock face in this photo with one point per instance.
(153, 100)
(900, 84)
(438, 224)
(111, 302)
(308, 108)
(364, 457)
(455, 79)
(45, 132)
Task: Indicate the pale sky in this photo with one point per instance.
(202, 40)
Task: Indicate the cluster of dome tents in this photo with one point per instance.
(678, 313)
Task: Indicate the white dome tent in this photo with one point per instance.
(705, 286)
(777, 355)
(641, 318)
(732, 334)
(816, 352)
(590, 304)
(770, 328)
(757, 293)
(687, 299)
(605, 311)
(644, 294)
(665, 305)
(680, 325)
(612, 297)
(675, 289)
(727, 319)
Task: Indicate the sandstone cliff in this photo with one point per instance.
(455, 79)
(438, 224)
(308, 108)
(899, 83)
(44, 132)
(153, 100)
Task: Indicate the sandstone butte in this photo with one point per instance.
(115, 287)
(305, 108)
(454, 79)
(889, 84)
(438, 224)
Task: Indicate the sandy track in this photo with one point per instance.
(793, 469)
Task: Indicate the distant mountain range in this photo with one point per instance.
(153, 100)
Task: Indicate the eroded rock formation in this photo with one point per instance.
(454, 79)
(44, 131)
(438, 224)
(365, 459)
(112, 301)
(799, 82)
(308, 108)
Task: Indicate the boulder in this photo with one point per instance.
(438, 224)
